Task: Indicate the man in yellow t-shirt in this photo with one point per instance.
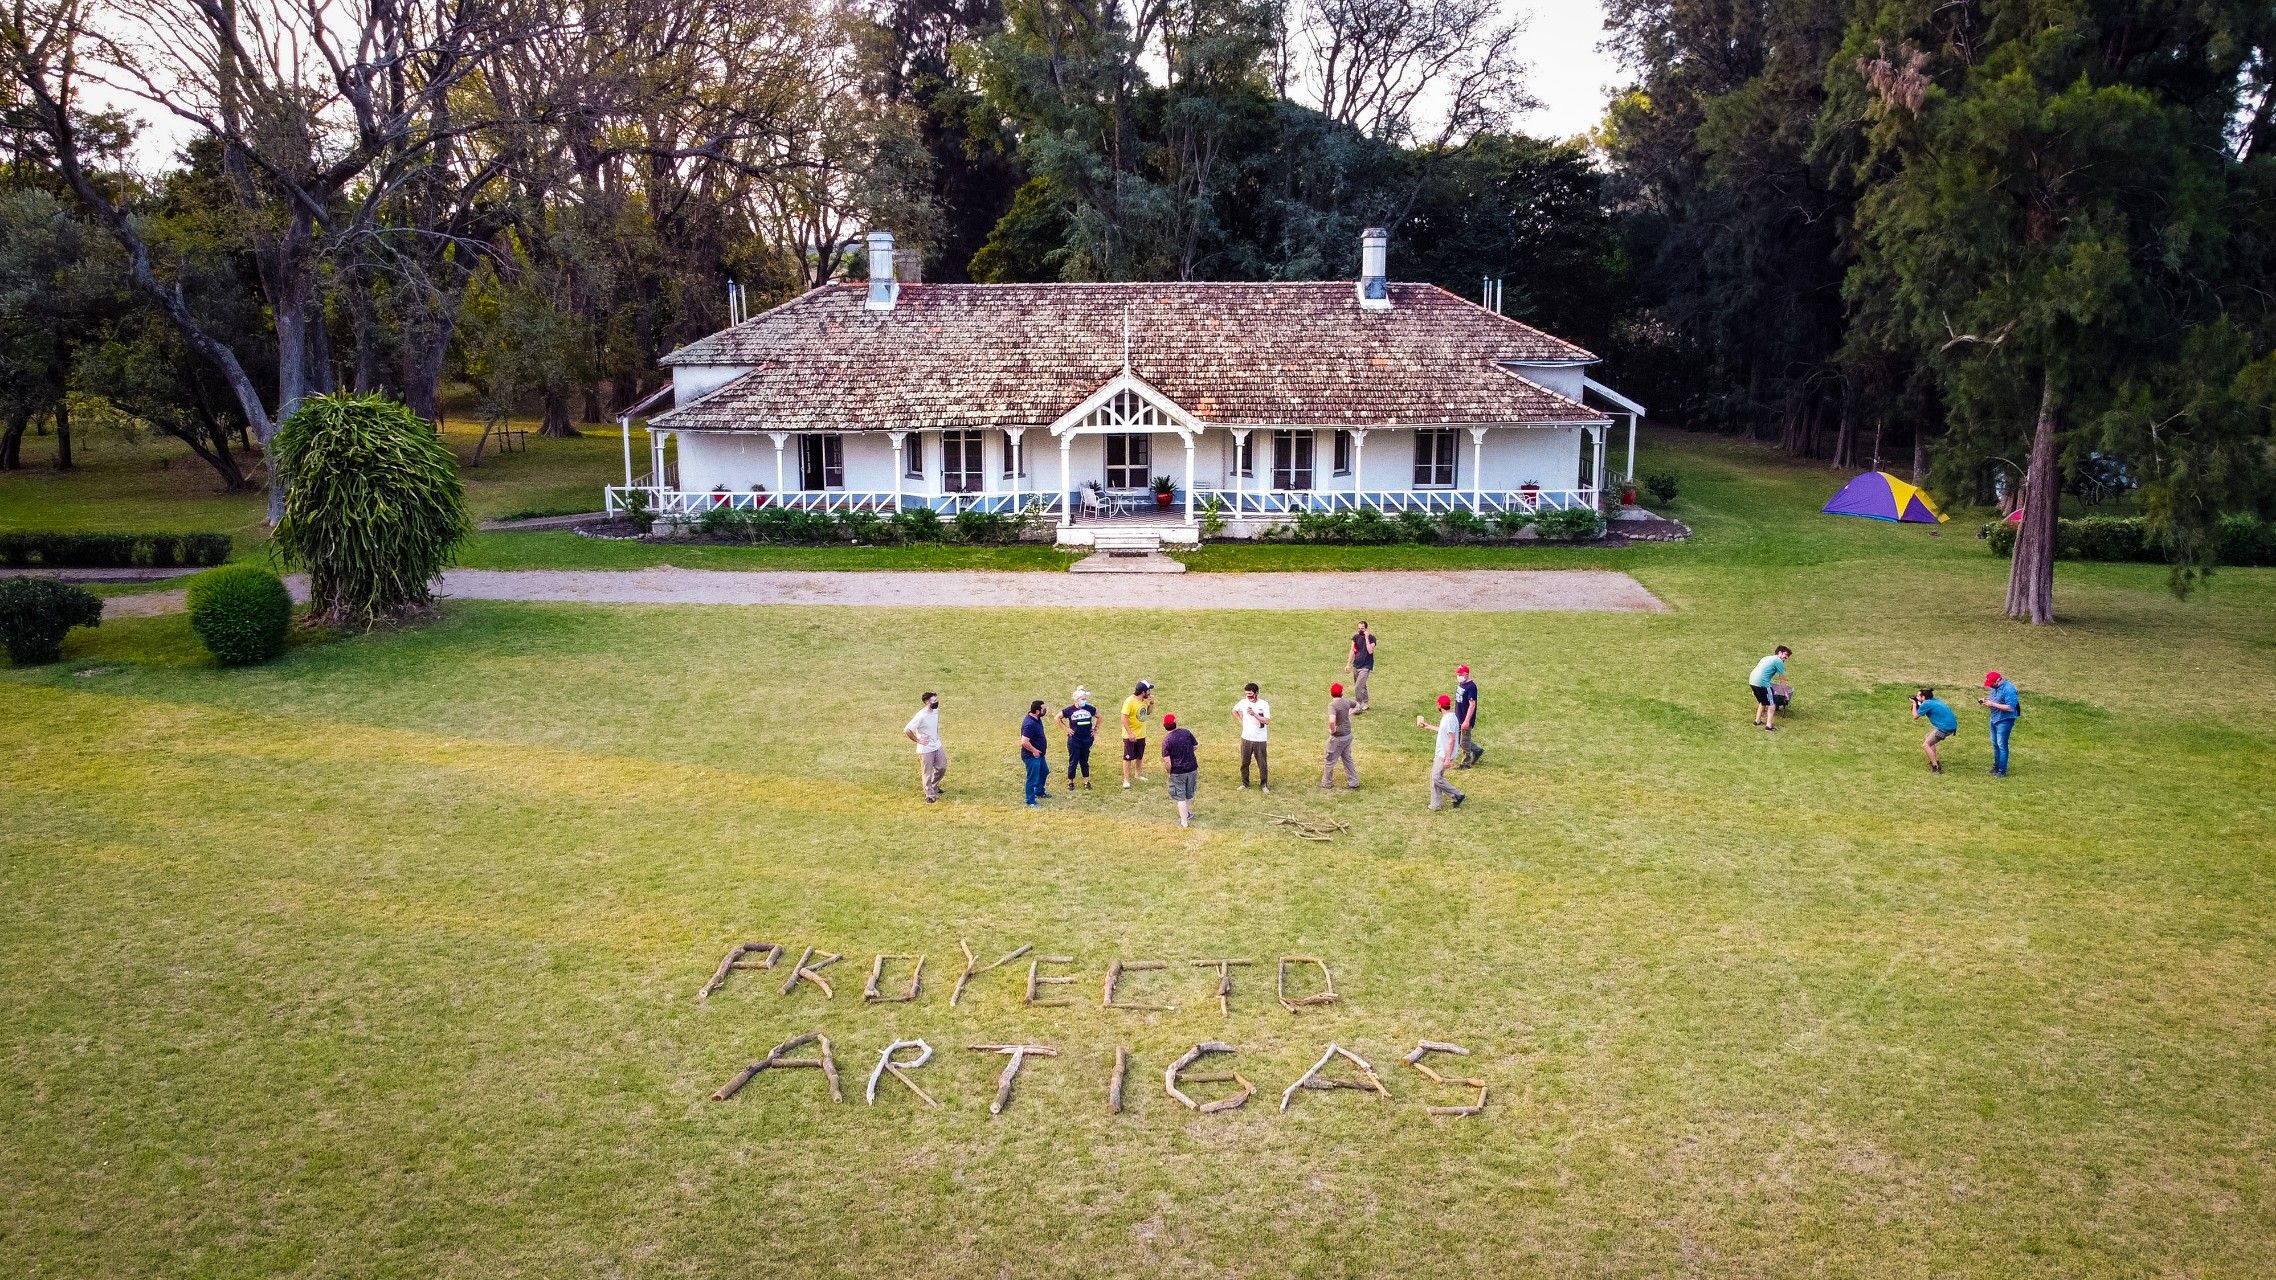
(1135, 709)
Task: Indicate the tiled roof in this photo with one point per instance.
(969, 355)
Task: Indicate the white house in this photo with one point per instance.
(1076, 400)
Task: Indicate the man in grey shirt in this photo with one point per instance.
(932, 759)
(1340, 709)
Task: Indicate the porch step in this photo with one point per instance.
(1132, 543)
(1112, 562)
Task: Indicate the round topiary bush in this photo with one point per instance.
(373, 506)
(36, 613)
(242, 612)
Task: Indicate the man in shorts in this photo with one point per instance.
(1135, 709)
(1361, 664)
(1080, 720)
(1340, 711)
(1766, 672)
(1942, 723)
(924, 730)
(1179, 750)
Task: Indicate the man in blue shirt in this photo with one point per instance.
(1942, 723)
(2006, 706)
(1031, 749)
(1766, 673)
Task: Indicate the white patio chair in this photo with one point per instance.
(1087, 504)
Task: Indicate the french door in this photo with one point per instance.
(1435, 453)
(960, 461)
(821, 462)
(1129, 460)
(1291, 459)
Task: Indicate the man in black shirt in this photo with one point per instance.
(1361, 664)
(1466, 715)
(1081, 723)
(1179, 750)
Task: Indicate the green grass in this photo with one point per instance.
(380, 961)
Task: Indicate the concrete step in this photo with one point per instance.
(1114, 562)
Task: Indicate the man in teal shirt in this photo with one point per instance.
(1766, 671)
(1942, 723)
(2006, 706)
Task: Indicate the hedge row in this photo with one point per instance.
(2243, 540)
(778, 525)
(1373, 528)
(112, 550)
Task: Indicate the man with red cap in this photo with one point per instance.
(1340, 709)
(1442, 755)
(2006, 706)
(1179, 750)
(1466, 715)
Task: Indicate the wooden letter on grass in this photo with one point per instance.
(877, 971)
(956, 996)
(1326, 995)
(775, 1060)
(1224, 981)
(734, 961)
(1035, 980)
(901, 1070)
(1114, 974)
(1368, 1081)
(1415, 1060)
(1019, 1055)
(811, 973)
(1170, 1078)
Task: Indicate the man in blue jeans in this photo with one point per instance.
(1031, 748)
(2006, 707)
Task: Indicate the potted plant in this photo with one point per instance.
(1531, 490)
(1165, 491)
(1627, 493)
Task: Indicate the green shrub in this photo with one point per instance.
(2241, 540)
(373, 505)
(919, 524)
(1660, 487)
(869, 527)
(1513, 520)
(2001, 535)
(980, 527)
(637, 510)
(728, 524)
(242, 613)
(112, 550)
(1371, 528)
(1417, 526)
(1459, 525)
(1213, 517)
(1323, 526)
(2246, 541)
(36, 613)
(1573, 524)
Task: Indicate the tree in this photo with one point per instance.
(374, 508)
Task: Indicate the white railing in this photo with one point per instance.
(1289, 502)
(681, 503)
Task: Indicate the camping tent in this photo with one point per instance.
(1877, 495)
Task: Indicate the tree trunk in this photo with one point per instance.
(2031, 576)
(63, 433)
(556, 424)
(1919, 454)
(12, 440)
(1845, 438)
(592, 402)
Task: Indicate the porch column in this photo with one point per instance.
(780, 438)
(897, 437)
(1477, 469)
(1240, 476)
(1603, 435)
(1358, 471)
(625, 422)
(1187, 436)
(1066, 503)
(1631, 477)
(656, 456)
(1015, 440)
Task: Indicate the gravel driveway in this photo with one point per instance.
(1488, 591)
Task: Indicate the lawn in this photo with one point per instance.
(381, 961)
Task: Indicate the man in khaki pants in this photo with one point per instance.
(932, 759)
(1340, 709)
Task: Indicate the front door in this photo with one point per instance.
(1291, 459)
(960, 461)
(821, 462)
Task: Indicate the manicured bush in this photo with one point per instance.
(36, 613)
(1514, 519)
(1371, 528)
(1573, 524)
(919, 524)
(241, 612)
(869, 527)
(1323, 526)
(1660, 487)
(112, 550)
(1458, 525)
(373, 505)
(978, 527)
(1417, 526)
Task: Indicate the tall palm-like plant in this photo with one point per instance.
(373, 506)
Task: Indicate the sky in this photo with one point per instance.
(1569, 74)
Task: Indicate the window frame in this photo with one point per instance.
(1287, 447)
(1451, 464)
(822, 452)
(1137, 453)
(1340, 451)
(969, 474)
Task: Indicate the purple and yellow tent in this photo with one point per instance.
(1877, 495)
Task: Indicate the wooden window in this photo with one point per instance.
(1435, 452)
(1291, 459)
(1342, 452)
(961, 461)
(914, 468)
(1129, 461)
(822, 462)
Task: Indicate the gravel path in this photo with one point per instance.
(1488, 591)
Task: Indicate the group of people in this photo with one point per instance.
(1078, 724)
(1767, 684)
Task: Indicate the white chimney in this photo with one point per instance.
(1374, 282)
(883, 291)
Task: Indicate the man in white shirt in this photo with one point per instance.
(1253, 714)
(932, 759)
(1442, 756)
